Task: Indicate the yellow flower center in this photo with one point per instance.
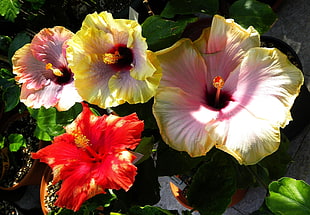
(56, 71)
(218, 83)
(110, 58)
(81, 140)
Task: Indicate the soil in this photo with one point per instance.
(21, 161)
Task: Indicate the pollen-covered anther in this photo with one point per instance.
(81, 141)
(218, 82)
(56, 71)
(111, 58)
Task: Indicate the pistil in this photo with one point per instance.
(56, 71)
(218, 83)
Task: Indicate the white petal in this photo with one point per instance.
(244, 136)
(182, 119)
(266, 84)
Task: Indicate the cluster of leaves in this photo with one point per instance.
(163, 30)
(10, 92)
(11, 8)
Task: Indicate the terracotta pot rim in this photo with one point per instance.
(33, 176)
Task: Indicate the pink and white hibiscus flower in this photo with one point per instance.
(224, 90)
(42, 69)
(111, 63)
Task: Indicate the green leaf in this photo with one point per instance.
(148, 210)
(19, 41)
(188, 7)
(145, 147)
(145, 190)
(277, 163)
(46, 120)
(9, 9)
(51, 122)
(253, 13)
(5, 42)
(289, 196)
(16, 141)
(10, 92)
(172, 162)
(2, 142)
(144, 112)
(10, 97)
(66, 117)
(36, 4)
(42, 135)
(213, 185)
(161, 33)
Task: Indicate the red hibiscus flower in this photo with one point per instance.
(92, 156)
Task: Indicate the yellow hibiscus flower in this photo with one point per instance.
(111, 62)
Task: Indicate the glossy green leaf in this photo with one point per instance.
(42, 135)
(145, 190)
(213, 185)
(4, 43)
(9, 9)
(145, 148)
(253, 13)
(36, 4)
(2, 142)
(277, 163)
(46, 120)
(19, 41)
(66, 117)
(148, 210)
(144, 112)
(161, 33)
(11, 97)
(172, 162)
(188, 7)
(16, 141)
(91, 206)
(10, 92)
(51, 122)
(289, 196)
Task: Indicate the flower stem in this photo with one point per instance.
(148, 7)
(258, 178)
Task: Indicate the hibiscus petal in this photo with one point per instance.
(29, 70)
(181, 118)
(224, 45)
(116, 133)
(266, 84)
(125, 88)
(182, 66)
(91, 81)
(244, 136)
(100, 21)
(47, 45)
(68, 97)
(46, 97)
(143, 64)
